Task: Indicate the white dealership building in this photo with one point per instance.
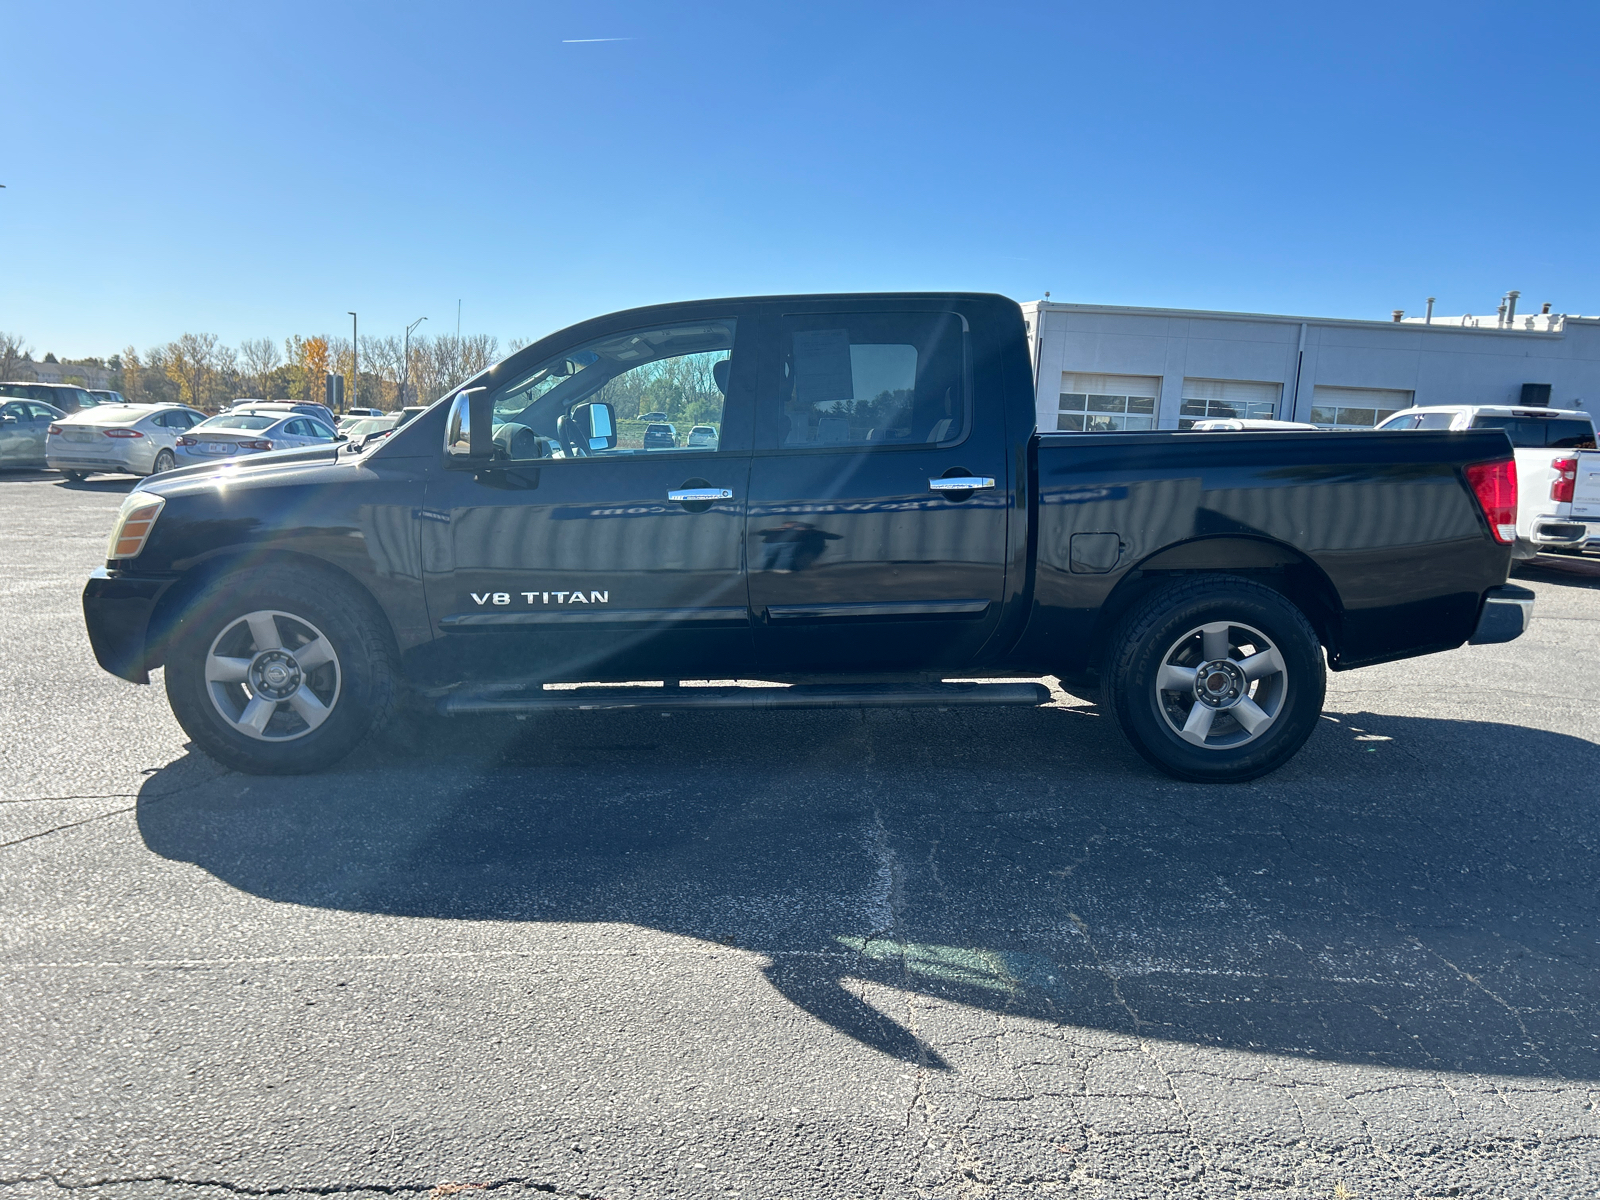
(1100, 367)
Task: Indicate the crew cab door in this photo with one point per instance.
(865, 551)
(577, 557)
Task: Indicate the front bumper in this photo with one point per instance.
(1507, 613)
(117, 610)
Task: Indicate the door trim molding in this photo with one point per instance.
(960, 610)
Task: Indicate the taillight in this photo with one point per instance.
(1566, 480)
(123, 433)
(1495, 486)
(135, 519)
(188, 441)
(54, 429)
(258, 444)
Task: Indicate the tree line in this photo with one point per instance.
(199, 370)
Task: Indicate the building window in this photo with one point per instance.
(1355, 408)
(1107, 403)
(1238, 399)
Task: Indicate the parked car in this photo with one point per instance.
(233, 434)
(1246, 424)
(660, 436)
(65, 396)
(312, 409)
(365, 426)
(119, 439)
(363, 412)
(652, 416)
(1203, 581)
(23, 429)
(702, 437)
(108, 397)
(1546, 442)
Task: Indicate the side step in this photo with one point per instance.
(864, 695)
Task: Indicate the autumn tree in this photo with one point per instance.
(259, 359)
(13, 350)
(191, 363)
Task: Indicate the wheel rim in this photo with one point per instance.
(164, 461)
(1222, 685)
(272, 676)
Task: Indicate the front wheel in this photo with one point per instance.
(1216, 680)
(279, 671)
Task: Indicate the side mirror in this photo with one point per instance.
(468, 430)
(598, 423)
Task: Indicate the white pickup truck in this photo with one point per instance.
(1549, 443)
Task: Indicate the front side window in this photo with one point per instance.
(660, 383)
(871, 381)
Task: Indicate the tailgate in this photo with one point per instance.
(1586, 489)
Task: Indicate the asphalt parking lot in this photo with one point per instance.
(957, 954)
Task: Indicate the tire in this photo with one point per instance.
(76, 476)
(165, 461)
(260, 709)
(1248, 713)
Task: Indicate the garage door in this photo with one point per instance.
(1105, 403)
(1355, 408)
(1240, 399)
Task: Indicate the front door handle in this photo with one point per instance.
(693, 495)
(961, 483)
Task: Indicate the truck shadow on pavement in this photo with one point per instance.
(1409, 892)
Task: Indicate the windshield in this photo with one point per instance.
(239, 421)
(1557, 433)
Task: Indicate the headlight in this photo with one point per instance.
(135, 519)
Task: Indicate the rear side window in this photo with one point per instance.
(1532, 432)
(870, 381)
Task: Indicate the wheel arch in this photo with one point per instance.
(176, 601)
(1274, 564)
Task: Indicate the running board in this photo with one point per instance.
(865, 695)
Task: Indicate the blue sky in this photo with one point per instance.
(258, 170)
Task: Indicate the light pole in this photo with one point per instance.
(355, 365)
(406, 353)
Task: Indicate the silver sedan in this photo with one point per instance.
(124, 439)
(246, 431)
(23, 424)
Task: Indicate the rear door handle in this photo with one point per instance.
(690, 495)
(961, 483)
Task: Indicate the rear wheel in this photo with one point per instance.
(165, 461)
(1217, 679)
(76, 476)
(279, 671)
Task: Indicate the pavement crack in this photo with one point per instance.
(63, 799)
(69, 825)
(310, 1189)
(1500, 1000)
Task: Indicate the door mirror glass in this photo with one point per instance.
(468, 436)
(599, 422)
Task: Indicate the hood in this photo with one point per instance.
(246, 467)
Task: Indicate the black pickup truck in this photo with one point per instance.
(843, 496)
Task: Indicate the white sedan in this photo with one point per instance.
(123, 439)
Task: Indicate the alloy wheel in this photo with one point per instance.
(1221, 685)
(272, 676)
